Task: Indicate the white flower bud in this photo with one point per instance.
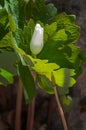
(36, 43)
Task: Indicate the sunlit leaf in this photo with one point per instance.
(63, 77)
(7, 75)
(45, 68)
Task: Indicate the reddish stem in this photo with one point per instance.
(30, 118)
(61, 113)
(18, 106)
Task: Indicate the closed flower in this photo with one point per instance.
(36, 44)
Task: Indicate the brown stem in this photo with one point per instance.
(30, 118)
(18, 106)
(60, 109)
(31, 109)
(58, 103)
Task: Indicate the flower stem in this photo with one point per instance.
(31, 110)
(30, 118)
(59, 104)
(18, 106)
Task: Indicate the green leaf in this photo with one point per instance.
(23, 37)
(6, 5)
(12, 23)
(66, 100)
(8, 62)
(37, 10)
(14, 9)
(50, 12)
(3, 16)
(52, 52)
(28, 81)
(50, 29)
(28, 32)
(29, 10)
(3, 23)
(72, 17)
(63, 77)
(44, 68)
(45, 84)
(7, 75)
(75, 51)
(7, 43)
(72, 30)
(77, 57)
(60, 36)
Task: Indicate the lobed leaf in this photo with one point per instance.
(64, 77)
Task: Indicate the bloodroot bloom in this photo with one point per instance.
(36, 44)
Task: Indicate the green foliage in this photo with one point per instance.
(45, 84)
(50, 11)
(72, 30)
(28, 81)
(23, 37)
(7, 42)
(3, 23)
(7, 59)
(11, 6)
(29, 10)
(60, 55)
(44, 68)
(64, 77)
(59, 48)
(6, 75)
(3, 16)
(2, 3)
(36, 10)
(67, 102)
(12, 23)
